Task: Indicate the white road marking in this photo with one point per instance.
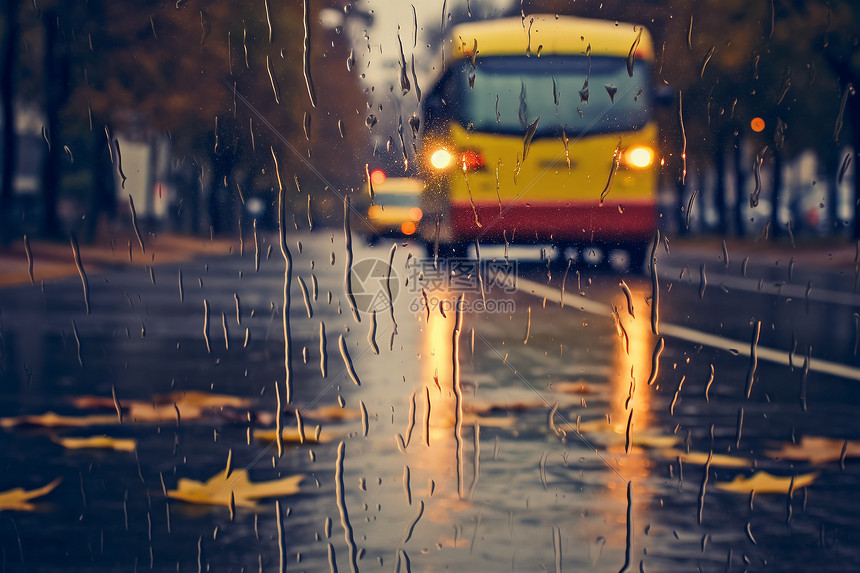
(574, 300)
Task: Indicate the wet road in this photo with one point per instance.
(518, 435)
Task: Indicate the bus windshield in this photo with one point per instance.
(580, 94)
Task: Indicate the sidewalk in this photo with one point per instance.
(53, 260)
(825, 254)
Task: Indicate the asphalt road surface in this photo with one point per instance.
(554, 420)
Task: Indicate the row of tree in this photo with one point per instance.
(224, 82)
(792, 63)
(238, 87)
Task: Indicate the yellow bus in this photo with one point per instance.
(541, 130)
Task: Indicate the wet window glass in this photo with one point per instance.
(467, 285)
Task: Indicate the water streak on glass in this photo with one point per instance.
(85, 285)
(341, 506)
(347, 272)
(750, 378)
(371, 332)
(135, 225)
(306, 53)
(206, 326)
(347, 361)
(288, 275)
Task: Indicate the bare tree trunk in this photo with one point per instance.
(7, 116)
(855, 124)
(53, 78)
(851, 81)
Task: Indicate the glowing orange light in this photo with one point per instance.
(408, 227)
(757, 124)
(377, 176)
(441, 158)
(639, 156)
(415, 213)
(374, 212)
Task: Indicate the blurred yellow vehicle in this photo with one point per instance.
(395, 208)
(542, 130)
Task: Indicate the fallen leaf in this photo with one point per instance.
(162, 407)
(91, 402)
(151, 412)
(18, 499)
(54, 420)
(647, 440)
(471, 418)
(100, 442)
(204, 400)
(816, 450)
(763, 482)
(332, 414)
(701, 458)
(321, 414)
(291, 435)
(604, 433)
(218, 489)
(572, 387)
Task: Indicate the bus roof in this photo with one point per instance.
(550, 34)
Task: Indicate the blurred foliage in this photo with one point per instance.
(733, 60)
(223, 81)
(789, 62)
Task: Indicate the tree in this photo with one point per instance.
(8, 145)
(224, 81)
(791, 63)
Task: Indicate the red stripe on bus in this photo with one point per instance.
(585, 222)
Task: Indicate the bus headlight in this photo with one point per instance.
(639, 157)
(441, 158)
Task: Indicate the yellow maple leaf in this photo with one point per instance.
(471, 418)
(204, 400)
(816, 450)
(321, 414)
(610, 434)
(763, 482)
(572, 387)
(332, 414)
(18, 499)
(162, 407)
(217, 490)
(54, 420)
(151, 412)
(292, 436)
(647, 440)
(99, 442)
(701, 458)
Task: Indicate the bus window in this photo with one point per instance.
(510, 92)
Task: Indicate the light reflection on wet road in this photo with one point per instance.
(522, 466)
